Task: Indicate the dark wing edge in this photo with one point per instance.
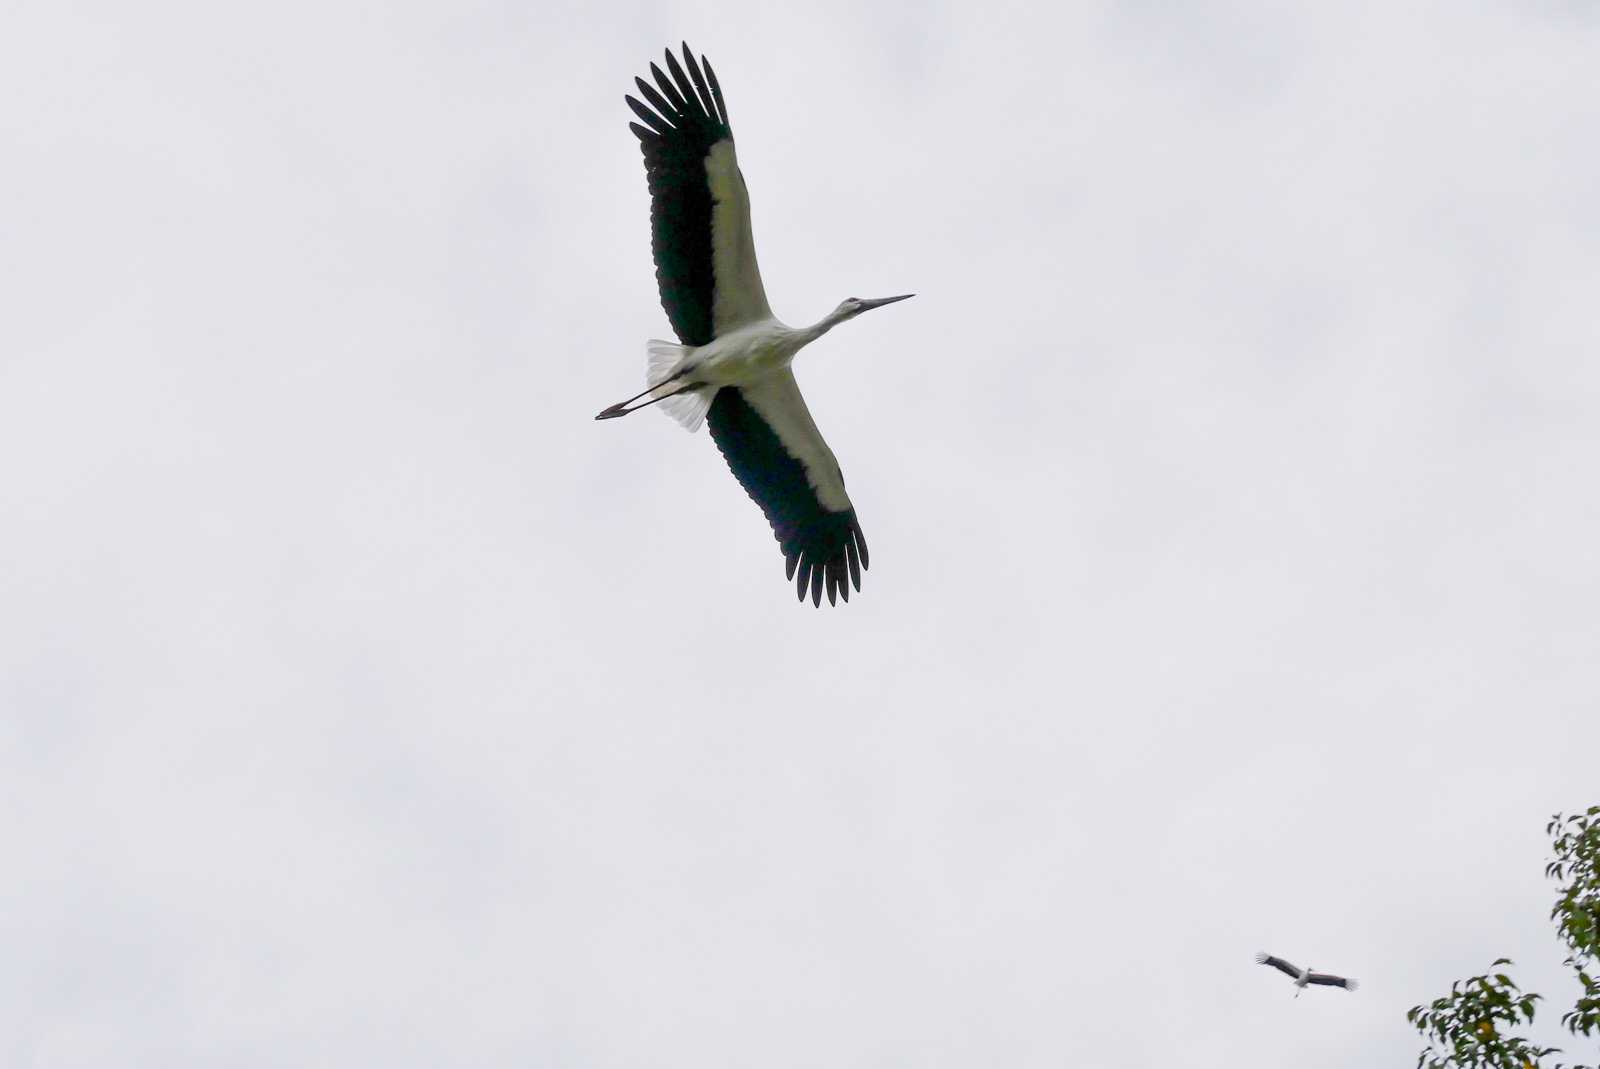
(823, 550)
(683, 115)
(1279, 964)
(1328, 980)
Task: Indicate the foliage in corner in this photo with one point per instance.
(1576, 840)
(1473, 1027)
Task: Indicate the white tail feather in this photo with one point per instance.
(662, 359)
(689, 408)
(665, 359)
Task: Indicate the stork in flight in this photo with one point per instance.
(732, 368)
(1302, 977)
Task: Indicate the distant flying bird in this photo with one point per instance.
(732, 369)
(1302, 977)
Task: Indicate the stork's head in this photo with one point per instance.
(851, 307)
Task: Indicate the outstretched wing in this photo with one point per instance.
(1329, 980)
(1279, 964)
(699, 208)
(771, 443)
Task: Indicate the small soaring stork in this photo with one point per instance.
(732, 368)
(1302, 977)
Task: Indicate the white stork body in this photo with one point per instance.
(732, 366)
(1305, 976)
(748, 353)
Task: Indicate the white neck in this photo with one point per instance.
(823, 325)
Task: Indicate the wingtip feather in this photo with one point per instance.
(668, 90)
(716, 91)
(685, 89)
(650, 118)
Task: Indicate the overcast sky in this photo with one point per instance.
(1230, 485)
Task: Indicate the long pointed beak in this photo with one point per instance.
(867, 306)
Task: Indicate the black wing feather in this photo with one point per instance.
(699, 80)
(650, 118)
(1279, 964)
(654, 98)
(681, 80)
(1328, 980)
(716, 91)
(668, 88)
(819, 546)
(688, 117)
